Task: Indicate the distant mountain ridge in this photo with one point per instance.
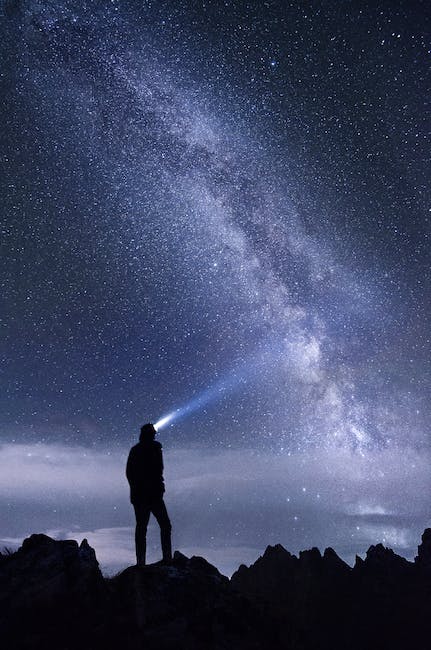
(53, 595)
(384, 601)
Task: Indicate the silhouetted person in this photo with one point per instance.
(145, 475)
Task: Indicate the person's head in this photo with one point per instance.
(148, 432)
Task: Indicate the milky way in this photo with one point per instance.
(223, 209)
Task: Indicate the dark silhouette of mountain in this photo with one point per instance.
(382, 602)
(53, 595)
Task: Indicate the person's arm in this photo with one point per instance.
(159, 465)
(161, 460)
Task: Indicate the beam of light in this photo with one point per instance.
(218, 390)
(164, 421)
(211, 394)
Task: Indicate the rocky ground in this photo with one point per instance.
(53, 595)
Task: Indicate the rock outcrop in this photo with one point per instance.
(53, 595)
(383, 602)
(50, 589)
(187, 604)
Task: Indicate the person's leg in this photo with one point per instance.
(158, 509)
(142, 513)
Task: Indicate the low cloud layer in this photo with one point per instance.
(226, 505)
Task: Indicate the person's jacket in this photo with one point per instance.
(144, 472)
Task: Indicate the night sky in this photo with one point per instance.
(221, 211)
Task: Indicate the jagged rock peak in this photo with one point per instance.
(41, 544)
(310, 555)
(381, 558)
(41, 550)
(330, 557)
(423, 557)
(196, 564)
(273, 556)
(379, 553)
(277, 552)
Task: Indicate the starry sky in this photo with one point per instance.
(219, 210)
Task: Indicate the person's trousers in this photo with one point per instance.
(142, 513)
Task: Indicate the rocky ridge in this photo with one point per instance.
(53, 595)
